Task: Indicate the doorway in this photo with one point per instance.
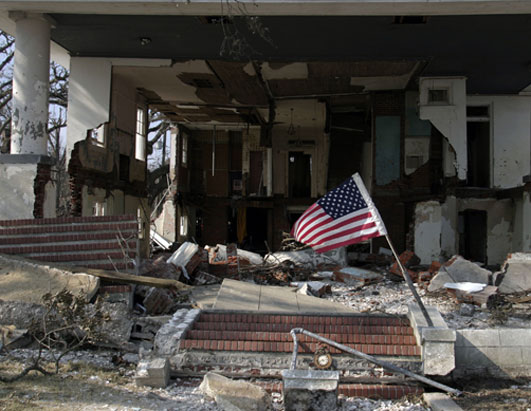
(478, 146)
(300, 174)
(473, 235)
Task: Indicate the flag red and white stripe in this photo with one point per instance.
(345, 215)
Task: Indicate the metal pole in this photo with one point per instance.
(367, 357)
(410, 283)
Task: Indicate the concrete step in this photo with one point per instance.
(82, 241)
(75, 257)
(342, 338)
(69, 228)
(62, 247)
(69, 238)
(373, 391)
(32, 222)
(307, 347)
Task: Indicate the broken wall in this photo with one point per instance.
(510, 120)
(428, 228)
(438, 229)
(448, 115)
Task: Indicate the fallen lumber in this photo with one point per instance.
(119, 277)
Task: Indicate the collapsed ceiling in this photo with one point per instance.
(203, 91)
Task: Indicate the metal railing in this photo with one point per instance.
(367, 357)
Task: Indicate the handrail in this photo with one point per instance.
(367, 357)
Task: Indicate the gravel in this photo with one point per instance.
(390, 297)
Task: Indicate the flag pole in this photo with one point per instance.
(406, 276)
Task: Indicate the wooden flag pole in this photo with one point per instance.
(409, 283)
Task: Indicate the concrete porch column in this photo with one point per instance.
(30, 84)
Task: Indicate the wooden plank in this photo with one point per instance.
(119, 277)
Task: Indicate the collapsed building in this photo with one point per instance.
(427, 102)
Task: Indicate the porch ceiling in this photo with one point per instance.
(491, 51)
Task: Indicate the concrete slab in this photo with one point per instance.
(440, 402)
(204, 296)
(238, 295)
(27, 280)
(242, 296)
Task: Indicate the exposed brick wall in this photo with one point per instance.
(44, 175)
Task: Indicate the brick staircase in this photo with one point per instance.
(93, 242)
(259, 345)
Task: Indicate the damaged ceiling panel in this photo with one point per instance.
(241, 82)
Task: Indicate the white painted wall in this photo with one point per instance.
(428, 231)
(449, 119)
(511, 137)
(88, 97)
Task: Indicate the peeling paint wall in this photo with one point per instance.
(449, 118)
(16, 185)
(511, 139)
(428, 231)
(449, 234)
(49, 204)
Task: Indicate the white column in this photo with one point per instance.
(30, 84)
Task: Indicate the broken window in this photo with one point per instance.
(97, 136)
(99, 209)
(478, 146)
(140, 135)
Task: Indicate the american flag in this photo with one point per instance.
(346, 215)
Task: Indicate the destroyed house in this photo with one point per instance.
(274, 103)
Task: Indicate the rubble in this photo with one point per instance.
(355, 274)
(153, 373)
(312, 288)
(219, 253)
(458, 270)
(515, 275)
(117, 329)
(187, 258)
(309, 258)
(235, 395)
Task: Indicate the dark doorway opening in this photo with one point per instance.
(300, 174)
(478, 148)
(257, 223)
(473, 235)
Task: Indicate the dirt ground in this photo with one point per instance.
(81, 386)
(493, 394)
(98, 384)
